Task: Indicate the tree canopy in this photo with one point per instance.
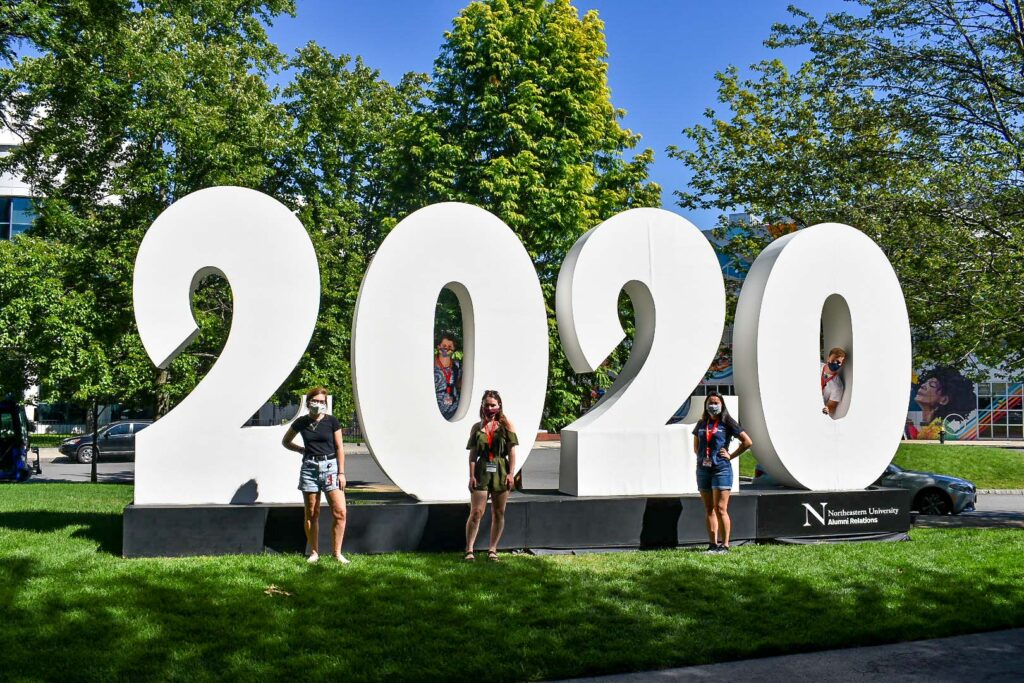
(337, 170)
(519, 120)
(905, 123)
(125, 107)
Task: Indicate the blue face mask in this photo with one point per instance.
(834, 366)
(444, 352)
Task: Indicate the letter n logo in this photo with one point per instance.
(811, 512)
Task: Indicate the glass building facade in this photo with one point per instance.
(1000, 414)
(17, 214)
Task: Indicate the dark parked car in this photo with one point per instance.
(116, 440)
(931, 494)
(14, 447)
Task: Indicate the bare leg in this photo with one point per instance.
(721, 497)
(311, 521)
(710, 520)
(338, 510)
(477, 503)
(498, 501)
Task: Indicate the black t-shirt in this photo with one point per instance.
(317, 437)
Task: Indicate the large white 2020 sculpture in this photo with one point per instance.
(505, 345)
(199, 452)
(671, 274)
(835, 276)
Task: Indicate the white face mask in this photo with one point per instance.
(317, 407)
(714, 409)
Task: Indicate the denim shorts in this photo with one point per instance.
(715, 477)
(319, 475)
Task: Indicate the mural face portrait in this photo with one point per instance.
(930, 395)
(944, 392)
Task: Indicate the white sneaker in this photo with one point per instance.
(313, 558)
(341, 558)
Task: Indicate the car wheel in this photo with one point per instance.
(932, 502)
(84, 455)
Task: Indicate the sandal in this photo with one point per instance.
(469, 556)
(492, 555)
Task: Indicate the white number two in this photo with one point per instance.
(199, 452)
(671, 274)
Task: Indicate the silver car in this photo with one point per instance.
(931, 494)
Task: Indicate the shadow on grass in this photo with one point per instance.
(103, 528)
(14, 571)
(434, 617)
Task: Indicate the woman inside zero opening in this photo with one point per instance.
(711, 438)
(323, 469)
(492, 460)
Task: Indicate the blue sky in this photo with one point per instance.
(663, 54)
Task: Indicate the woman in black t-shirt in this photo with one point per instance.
(323, 470)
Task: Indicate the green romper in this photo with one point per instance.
(491, 461)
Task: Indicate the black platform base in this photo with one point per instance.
(531, 521)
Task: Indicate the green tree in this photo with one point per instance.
(520, 122)
(905, 123)
(124, 108)
(338, 169)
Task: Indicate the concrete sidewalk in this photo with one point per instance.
(995, 656)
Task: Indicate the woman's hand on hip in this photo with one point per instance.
(723, 453)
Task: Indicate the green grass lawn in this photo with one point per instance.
(986, 466)
(72, 608)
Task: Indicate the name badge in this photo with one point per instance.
(492, 467)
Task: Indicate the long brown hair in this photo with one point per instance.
(314, 392)
(502, 420)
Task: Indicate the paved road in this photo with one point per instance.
(361, 469)
(997, 656)
(57, 467)
(541, 468)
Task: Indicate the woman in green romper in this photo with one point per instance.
(492, 460)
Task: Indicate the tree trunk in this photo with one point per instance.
(163, 400)
(95, 438)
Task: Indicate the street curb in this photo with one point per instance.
(1002, 492)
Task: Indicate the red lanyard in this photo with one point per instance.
(447, 372)
(825, 381)
(708, 435)
(489, 430)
